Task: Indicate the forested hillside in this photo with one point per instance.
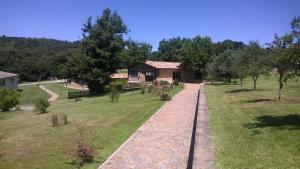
(34, 58)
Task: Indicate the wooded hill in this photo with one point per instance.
(34, 58)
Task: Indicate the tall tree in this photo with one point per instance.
(197, 54)
(135, 53)
(102, 44)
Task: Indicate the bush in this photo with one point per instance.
(54, 120)
(83, 152)
(78, 100)
(9, 99)
(114, 94)
(176, 82)
(64, 118)
(164, 83)
(143, 90)
(165, 97)
(42, 105)
(118, 84)
(150, 88)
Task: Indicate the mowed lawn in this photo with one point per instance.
(59, 89)
(31, 93)
(252, 129)
(29, 141)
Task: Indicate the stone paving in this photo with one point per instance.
(204, 149)
(164, 140)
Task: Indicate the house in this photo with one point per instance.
(9, 80)
(119, 76)
(158, 71)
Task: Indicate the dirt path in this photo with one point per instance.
(164, 140)
(53, 95)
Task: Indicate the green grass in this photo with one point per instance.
(29, 141)
(252, 129)
(122, 71)
(31, 93)
(59, 89)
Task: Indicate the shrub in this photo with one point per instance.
(143, 90)
(114, 94)
(42, 104)
(164, 83)
(54, 120)
(176, 82)
(82, 152)
(78, 100)
(118, 84)
(9, 99)
(64, 118)
(150, 88)
(165, 97)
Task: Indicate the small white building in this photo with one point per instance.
(9, 80)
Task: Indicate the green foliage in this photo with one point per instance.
(34, 58)
(164, 83)
(197, 55)
(165, 97)
(102, 44)
(150, 88)
(119, 84)
(134, 53)
(285, 54)
(8, 98)
(114, 94)
(42, 104)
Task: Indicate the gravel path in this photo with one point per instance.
(164, 140)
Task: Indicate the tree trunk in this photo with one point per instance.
(229, 80)
(280, 85)
(242, 80)
(254, 84)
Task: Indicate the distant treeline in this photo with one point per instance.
(34, 58)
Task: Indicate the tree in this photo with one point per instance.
(223, 66)
(135, 53)
(170, 49)
(256, 61)
(196, 55)
(240, 65)
(102, 44)
(9, 98)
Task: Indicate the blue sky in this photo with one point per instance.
(152, 21)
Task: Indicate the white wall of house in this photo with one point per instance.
(9, 82)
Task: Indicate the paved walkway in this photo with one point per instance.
(53, 95)
(204, 150)
(164, 140)
(42, 82)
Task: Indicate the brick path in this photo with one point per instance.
(204, 150)
(163, 141)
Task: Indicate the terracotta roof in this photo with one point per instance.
(119, 76)
(6, 74)
(163, 65)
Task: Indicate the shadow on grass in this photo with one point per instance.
(287, 122)
(258, 100)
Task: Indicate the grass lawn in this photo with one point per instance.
(59, 89)
(29, 141)
(31, 93)
(252, 129)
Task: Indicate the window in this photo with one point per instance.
(12, 80)
(2, 82)
(149, 76)
(133, 74)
